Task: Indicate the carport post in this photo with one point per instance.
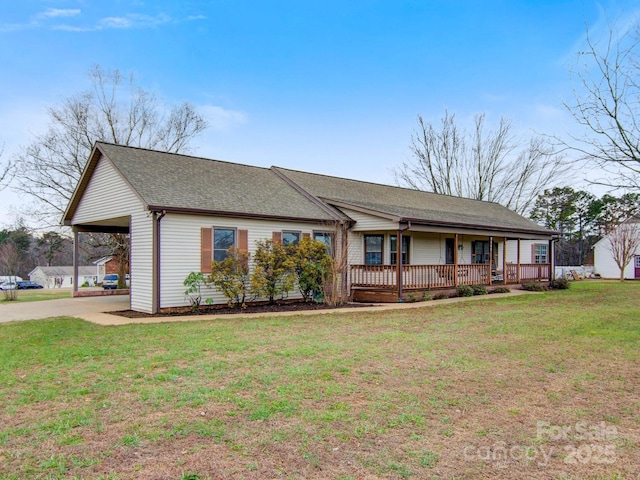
(76, 251)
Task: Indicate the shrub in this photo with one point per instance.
(479, 289)
(464, 291)
(441, 296)
(231, 277)
(500, 290)
(273, 275)
(427, 296)
(535, 287)
(560, 284)
(310, 262)
(193, 282)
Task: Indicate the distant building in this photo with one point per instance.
(62, 277)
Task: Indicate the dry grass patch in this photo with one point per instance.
(464, 391)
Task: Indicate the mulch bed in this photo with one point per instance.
(218, 310)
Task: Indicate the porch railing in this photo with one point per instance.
(439, 276)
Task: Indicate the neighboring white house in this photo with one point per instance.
(182, 211)
(62, 277)
(605, 265)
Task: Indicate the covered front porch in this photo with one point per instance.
(463, 260)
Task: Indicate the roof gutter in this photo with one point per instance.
(217, 213)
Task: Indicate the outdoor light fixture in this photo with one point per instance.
(460, 247)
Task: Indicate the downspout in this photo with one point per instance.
(155, 276)
(399, 258)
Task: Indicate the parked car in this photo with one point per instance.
(28, 285)
(110, 281)
(8, 286)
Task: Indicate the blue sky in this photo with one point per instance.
(331, 87)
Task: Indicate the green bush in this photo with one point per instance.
(427, 296)
(479, 289)
(464, 291)
(193, 282)
(273, 275)
(560, 284)
(311, 264)
(231, 277)
(535, 287)
(500, 290)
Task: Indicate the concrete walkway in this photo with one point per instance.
(112, 320)
(68, 307)
(95, 309)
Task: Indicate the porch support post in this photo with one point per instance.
(518, 260)
(455, 259)
(399, 264)
(552, 268)
(504, 261)
(76, 252)
(490, 266)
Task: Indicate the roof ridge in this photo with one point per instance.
(390, 186)
(186, 155)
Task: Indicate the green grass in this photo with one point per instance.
(37, 295)
(398, 394)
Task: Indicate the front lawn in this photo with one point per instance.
(36, 295)
(534, 386)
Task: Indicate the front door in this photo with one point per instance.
(637, 264)
(449, 245)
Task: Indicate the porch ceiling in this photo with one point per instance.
(108, 225)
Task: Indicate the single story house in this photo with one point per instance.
(604, 263)
(183, 211)
(63, 276)
(107, 265)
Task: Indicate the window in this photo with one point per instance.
(373, 249)
(326, 238)
(479, 251)
(406, 240)
(223, 239)
(290, 238)
(638, 261)
(540, 253)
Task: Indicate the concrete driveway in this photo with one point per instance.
(68, 307)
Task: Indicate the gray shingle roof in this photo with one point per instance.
(411, 204)
(190, 183)
(61, 271)
(187, 183)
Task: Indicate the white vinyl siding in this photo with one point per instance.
(369, 222)
(180, 250)
(107, 196)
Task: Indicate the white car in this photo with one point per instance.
(8, 286)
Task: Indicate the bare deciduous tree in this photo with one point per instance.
(12, 261)
(115, 110)
(607, 101)
(624, 242)
(483, 165)
(5, 171)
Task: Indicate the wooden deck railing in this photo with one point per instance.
(438, 276)
(535, 271)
